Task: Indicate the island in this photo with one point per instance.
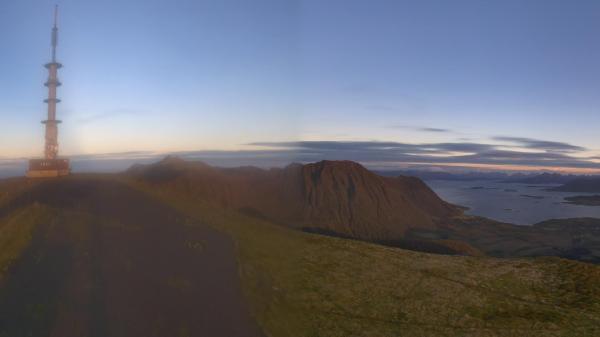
(584, 200)
(532, 196)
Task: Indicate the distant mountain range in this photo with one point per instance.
(522, 178)
(544, 178)
(581, 184)
(439, 175)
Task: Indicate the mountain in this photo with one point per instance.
(523, 178)
(439, 175)
(336, 197)
(544, 178)
(582, 184)
(344, 199)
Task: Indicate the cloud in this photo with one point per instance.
(536, 144)
(550, 154)
(11, 162)
(387, 147)
(114, 155)
(435, 130)
(421, 128)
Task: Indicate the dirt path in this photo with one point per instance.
(121, 264)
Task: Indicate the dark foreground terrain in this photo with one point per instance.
(172, 250)
(108, 261)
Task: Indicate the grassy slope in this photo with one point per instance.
(309, 285)
(16, 233)
(16, 229)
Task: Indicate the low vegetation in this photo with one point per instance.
(297, 283)
(16, 233)
(302, 284)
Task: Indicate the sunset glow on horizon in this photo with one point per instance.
(507, 86)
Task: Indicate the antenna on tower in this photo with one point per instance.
(55, 15)
(55, 33)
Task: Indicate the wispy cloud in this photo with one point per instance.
(537, 144)
(435, 130)
(522, 153)
(421, 128)
(527, 152)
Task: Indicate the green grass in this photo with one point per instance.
(301, 284)
(16, 233)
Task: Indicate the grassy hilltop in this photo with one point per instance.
(302, 284)
(295, 283)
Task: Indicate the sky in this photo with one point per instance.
(501, 85)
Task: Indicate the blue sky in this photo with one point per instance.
(264, 75)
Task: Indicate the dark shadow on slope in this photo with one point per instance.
(32, 291)
(444, 247)
(128, 265)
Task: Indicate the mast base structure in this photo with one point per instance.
(48, 168)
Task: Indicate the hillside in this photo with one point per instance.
(115, 256)
(340, 198)
(346, 200)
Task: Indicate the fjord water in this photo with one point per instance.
(520, 204)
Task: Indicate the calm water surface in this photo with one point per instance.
(515, 203)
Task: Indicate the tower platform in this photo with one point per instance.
(48, 168)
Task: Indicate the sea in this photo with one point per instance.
(522, 204)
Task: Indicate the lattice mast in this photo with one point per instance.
(51, 148)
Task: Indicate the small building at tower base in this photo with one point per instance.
(48, 168)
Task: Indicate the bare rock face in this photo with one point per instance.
(345, 198)
(334, 197)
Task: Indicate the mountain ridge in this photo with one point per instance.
(337, 196)
(344, 199)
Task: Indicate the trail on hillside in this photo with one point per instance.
(115, 262)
